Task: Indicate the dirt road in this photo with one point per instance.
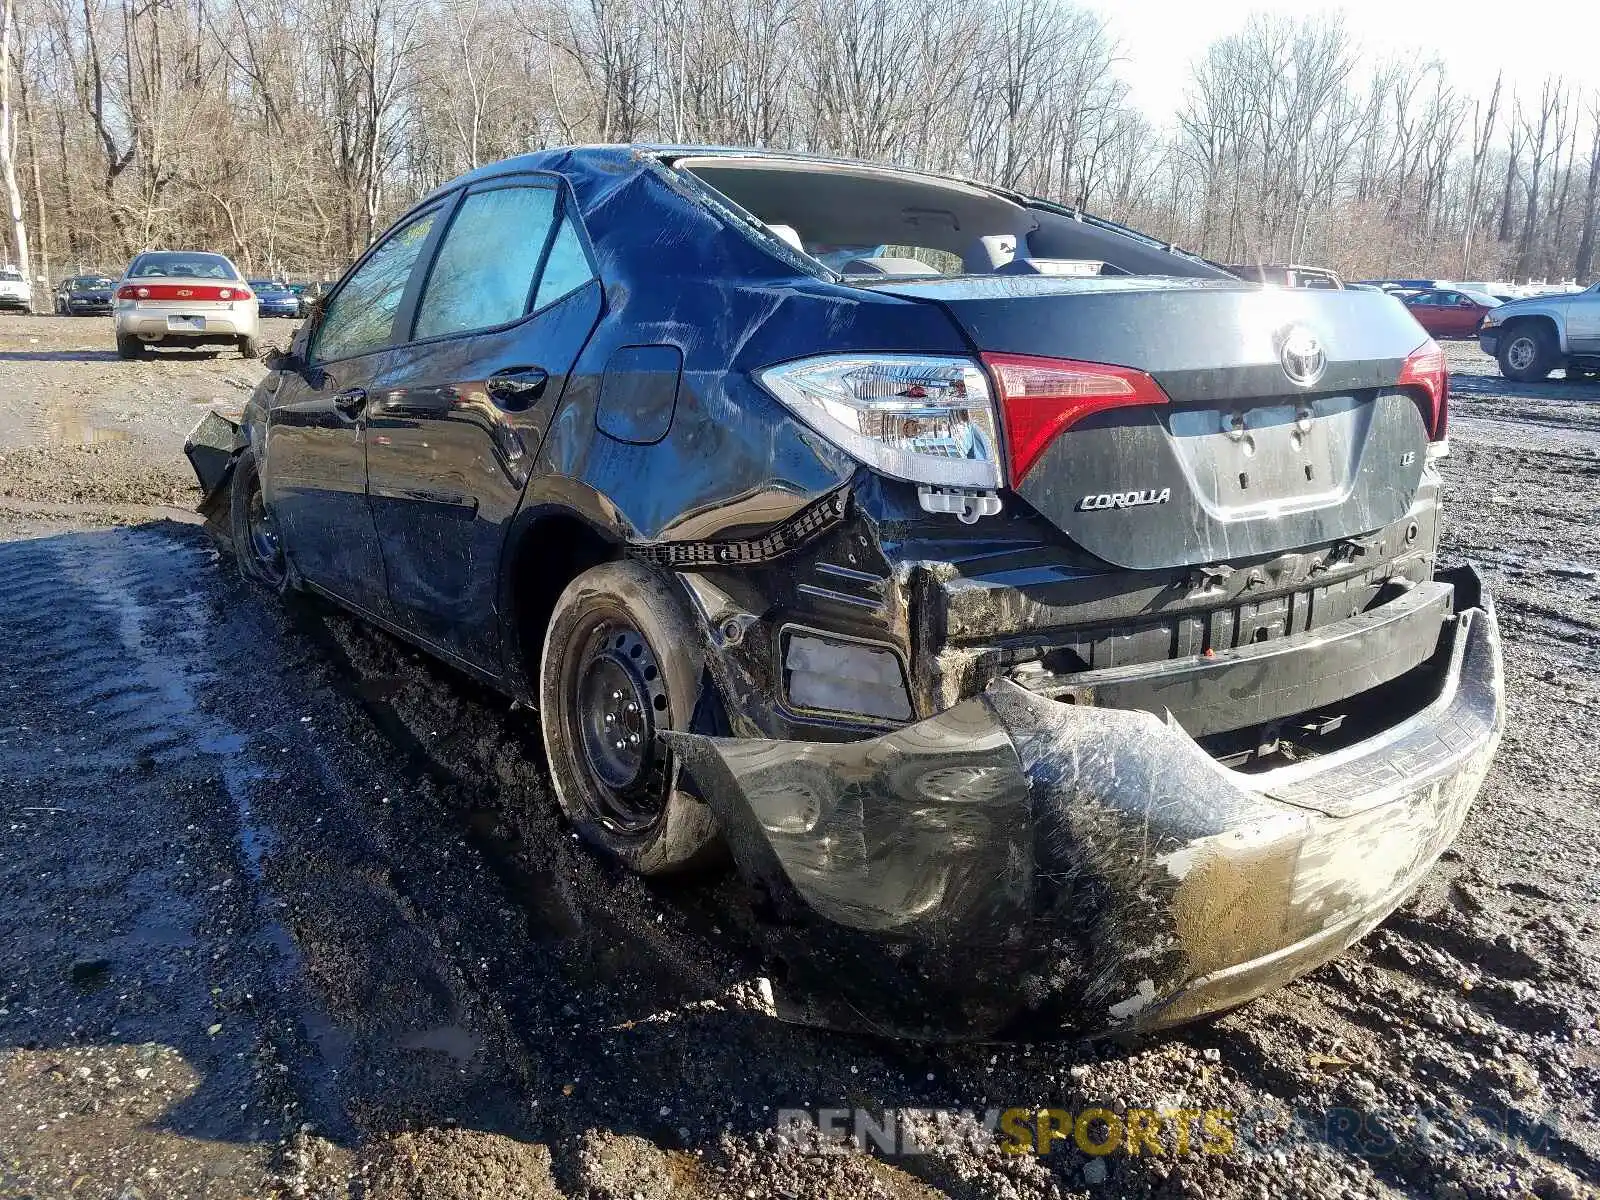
(285, 908)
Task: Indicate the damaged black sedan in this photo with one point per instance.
(1044, 619)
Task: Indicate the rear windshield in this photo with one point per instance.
(866, 222)
(181, 264)
(11, 276)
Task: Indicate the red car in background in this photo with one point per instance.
(1448, 312)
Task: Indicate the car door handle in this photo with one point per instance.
(515, 388)
(351, 401)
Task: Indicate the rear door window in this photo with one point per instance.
(487, 264)
(568, 266)
(360, 317)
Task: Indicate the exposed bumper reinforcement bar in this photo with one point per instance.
(1016, 866)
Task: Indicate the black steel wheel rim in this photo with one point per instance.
(263, 534)
(617, 699)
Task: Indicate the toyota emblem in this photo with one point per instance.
(1302, 356)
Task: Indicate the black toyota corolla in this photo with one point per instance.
(1039, 613)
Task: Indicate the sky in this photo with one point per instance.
(1528, 38)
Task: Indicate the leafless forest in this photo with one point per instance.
(288, 134)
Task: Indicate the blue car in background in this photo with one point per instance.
(274, 299)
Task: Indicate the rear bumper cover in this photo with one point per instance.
(1017, 866)
(221, 326)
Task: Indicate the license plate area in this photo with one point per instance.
(186, 324)
(1264, 455)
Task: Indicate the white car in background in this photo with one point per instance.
(184, 298)
(14, 290)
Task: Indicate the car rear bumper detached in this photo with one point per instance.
(1063, 868)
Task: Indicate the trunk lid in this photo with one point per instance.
(1244, 460)
(181, 294)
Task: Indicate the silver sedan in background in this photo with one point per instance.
(184, 298)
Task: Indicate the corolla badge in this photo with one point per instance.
(1302, 356)
(1125, 499)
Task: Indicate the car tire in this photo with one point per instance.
(1527, 353)
(249, 348)
(622, 656)
(129, 347)
(257, 545)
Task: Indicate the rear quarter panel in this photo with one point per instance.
(676, 274)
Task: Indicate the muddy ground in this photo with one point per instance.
(285, 909)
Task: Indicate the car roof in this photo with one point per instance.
(618, 158)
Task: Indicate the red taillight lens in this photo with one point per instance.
(1041, 398)
(1427, 375)
(129, 292)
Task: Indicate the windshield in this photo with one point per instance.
(11, 276)
(1482, 298)
(269, 287)
(181, 265)
(89, 281)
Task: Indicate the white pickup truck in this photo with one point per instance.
(1538, 335)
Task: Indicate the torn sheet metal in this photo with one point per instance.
(210, 449)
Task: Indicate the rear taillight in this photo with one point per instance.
(924, 418)
(1426, 374)
(1041, 398)
(129, 292)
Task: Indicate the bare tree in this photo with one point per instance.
(1483, 125)
(8, 154)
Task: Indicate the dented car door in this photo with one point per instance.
(316, 426)
(493, 332)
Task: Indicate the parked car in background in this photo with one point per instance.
(184, 298)
(1533, 337)
(1290, 275)
(1449, 312)
(15, 291)
(1500, 291)
(84, 295)
(1409, 285)
(274, 299)
(1029, 601)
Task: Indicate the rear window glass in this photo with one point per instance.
(483, 275)
(567, 268)
(182, 266)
